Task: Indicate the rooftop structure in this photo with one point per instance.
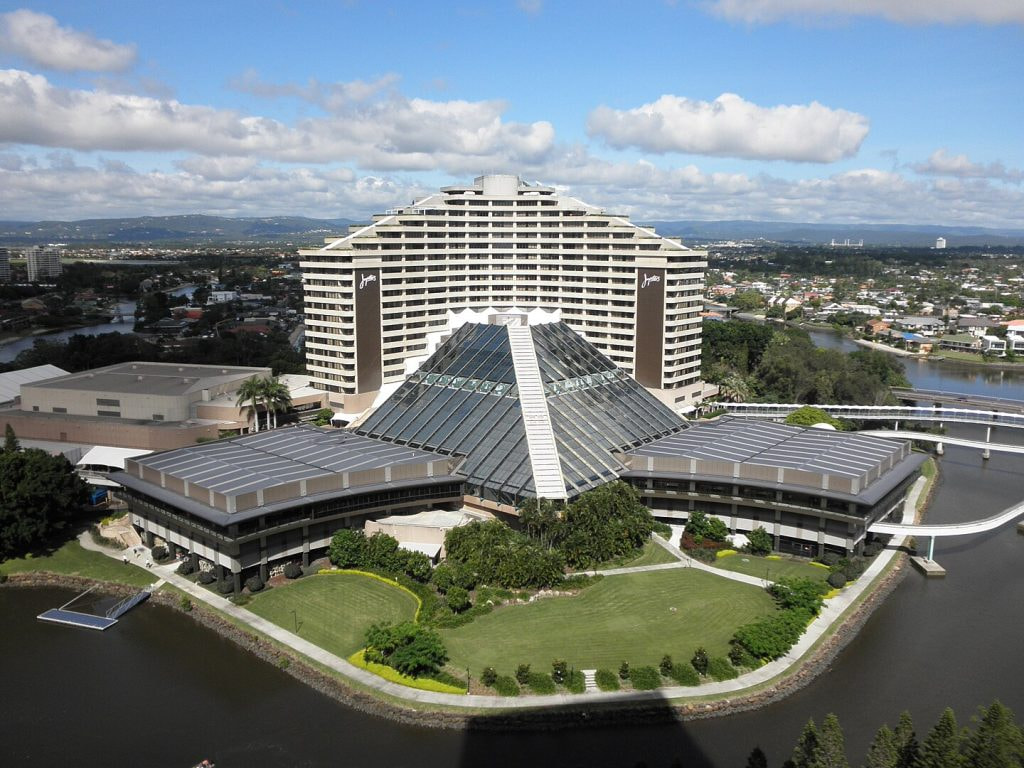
(12, 381)
(250, 500)
(536, 410)
(374, 297)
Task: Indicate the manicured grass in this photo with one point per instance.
(73, 560)
(651, 553)
(334, 610)
(930, 471)
(627, 617)
(762, 567)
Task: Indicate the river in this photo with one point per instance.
(157, 690)
(10, 350)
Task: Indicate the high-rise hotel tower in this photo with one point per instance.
(379, 299)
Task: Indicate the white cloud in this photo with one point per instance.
(941, 163)
(332, 97)
(899, 11)
(395, 133)
(38, 38)
(729, 126)
(531, 7)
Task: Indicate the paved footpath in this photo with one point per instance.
(830, 613)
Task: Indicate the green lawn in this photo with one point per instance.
(622, 618)
(762, 567)
(651, 554)
(334, 610)
(71, 559)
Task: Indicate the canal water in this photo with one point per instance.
(156, 690)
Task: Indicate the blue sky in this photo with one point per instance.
(905, 111)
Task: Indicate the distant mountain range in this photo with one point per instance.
(297, 230)
(185, 230)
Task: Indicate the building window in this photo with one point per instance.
(58, 409)
(158, 417)
(108, 413)
(107, 401)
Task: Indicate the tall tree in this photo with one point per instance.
(884, 751)
(941, 748)
(39, 495)
(276, 397)
(11, 440)
(757, 759)
(807, 752)
(906, 741)
(833, 749)
(997, 742)
(251, 391)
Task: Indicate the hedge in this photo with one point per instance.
(388, 673)
(607, 680)
(540, 683)
(645, 678)
(506, 685)
(720, 668)
(575, 682)
(683, 673)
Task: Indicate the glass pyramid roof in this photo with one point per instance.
(465, 400)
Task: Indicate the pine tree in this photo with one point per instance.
(884, 751)
(832, 750)
(906, 742)
(941, 749)
(807, 753)
(997, 742)
(757, 759)
(11, 440)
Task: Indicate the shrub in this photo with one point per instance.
(800, 594)
(417, 566)
(720, 668)
(292, 570)
(184, 567)
(624, 670)
(645, 678)
(185, 604)
(700, 661)
(523, 674)
(559, 671)
(663, 529)
(837, 579)
(348, 548)
(666, 665)
(540, 683)
(684, 674)
(205, 578)
(159, 553)
(830, 558)
(606, 680)
(254, 583)
(576, 683)
(741, 657)
(410, 648)
(759, 541)
(506, 686)
(773, 636)
(447, 679)
(488, 676)
(226, 587)
(458, 599)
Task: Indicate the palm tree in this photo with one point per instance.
(251, 390)
(276, 397)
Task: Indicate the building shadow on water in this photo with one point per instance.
(648, 734)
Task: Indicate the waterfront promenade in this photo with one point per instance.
(773, 672)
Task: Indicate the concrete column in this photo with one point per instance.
(305, 546)
(194, 559)
(777, 530)
(237, 578)
(150, 539)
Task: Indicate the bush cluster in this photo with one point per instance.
(538, 682)
(575, 682)
(607, 680)
(292, 570)
(506, 686)
(159, 553)
(645, 678)
(184, 567)
(254, 583)
(498, 555)
(720, 668)
(700, 661)
(771, 637)
(684, 674)
(410, 648)
(350, 548)
(759, 542)
(488, 676)
(206, 577)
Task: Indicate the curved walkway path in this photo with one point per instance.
(831, 612)
(951, 529)
(928, 437)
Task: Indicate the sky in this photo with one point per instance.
(829, 111)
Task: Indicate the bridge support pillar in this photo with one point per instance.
(986, 454)
(939, 449)
(931, 550)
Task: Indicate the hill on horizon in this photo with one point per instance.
(198, 229)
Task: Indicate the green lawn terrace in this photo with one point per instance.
(772, 568)
(71, 559)
(334, 610)
(636, 617)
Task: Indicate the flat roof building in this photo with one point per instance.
(42, 263)
(376, 298)
(246, 502)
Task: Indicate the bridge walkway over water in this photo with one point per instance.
(960, 399)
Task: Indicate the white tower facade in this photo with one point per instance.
(375, 295)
